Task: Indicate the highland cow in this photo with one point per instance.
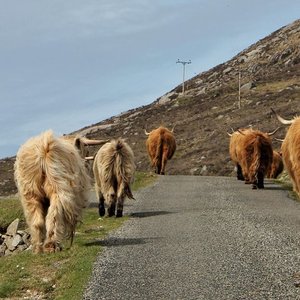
(277, 165)
(291, 151)
(161, 146)
(114, 170)
(53, 185)
(252, 151)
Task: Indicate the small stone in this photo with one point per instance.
(17, 240)
(13, 227)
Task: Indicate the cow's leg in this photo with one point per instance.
(101, 206)
(164, 162)
(120, 204)
(111, 209)
(239, 172)
(158, 168)
(260, 180)
(111, 202)
(35, 216)
(55, 225)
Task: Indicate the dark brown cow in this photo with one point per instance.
(291, 150)
(252, 151)
(161, 146)
(277, 165)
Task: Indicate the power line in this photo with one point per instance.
(183, 76)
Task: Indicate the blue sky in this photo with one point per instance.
(71, 63)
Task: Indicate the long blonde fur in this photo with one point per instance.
(114, 170)
(53, 185)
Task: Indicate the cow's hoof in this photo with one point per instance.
(101, 211)
(111, 212)
(254, 187)
(52, 247)
(119, 213)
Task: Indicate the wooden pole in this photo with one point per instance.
(239, 89)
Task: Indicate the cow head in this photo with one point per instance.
(81, 143)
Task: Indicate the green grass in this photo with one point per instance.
(285, 182)
(10, 209)
(61, 275)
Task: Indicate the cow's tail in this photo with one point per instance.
(262, 158)
(158, 154)
(124, 168)
(256, 158)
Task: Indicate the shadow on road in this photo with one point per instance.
(145, 214)
(115, 242)
(274, 188)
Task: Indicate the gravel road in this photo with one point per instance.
(193, 237)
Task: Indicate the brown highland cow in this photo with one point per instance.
(161, 146)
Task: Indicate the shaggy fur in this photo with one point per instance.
(114, 170)
(161, 146)
(53, 183)
(277, 165)
(291, 153)
(234, 148)
(254, 154)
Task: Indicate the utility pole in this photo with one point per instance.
(239, 89)
(183, 64)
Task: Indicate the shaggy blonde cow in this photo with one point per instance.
(53, 182)
(114, 170)
(161, 146)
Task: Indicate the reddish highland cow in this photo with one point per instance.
(252, 151)
(161, 146)
(277, 165)
(234, 148)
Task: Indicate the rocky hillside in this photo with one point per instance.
(270, 77)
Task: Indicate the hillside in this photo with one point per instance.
(270, 77)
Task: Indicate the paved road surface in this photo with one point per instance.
(194, 237)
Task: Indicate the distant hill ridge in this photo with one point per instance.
(270, 77)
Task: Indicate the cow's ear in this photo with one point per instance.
(77, 143)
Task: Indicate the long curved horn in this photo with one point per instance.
(280, 119)
(230, 134)
(147, 133)
(87, 141)
(172, 130)
(89, 158)
(274, 131)
(279, 140)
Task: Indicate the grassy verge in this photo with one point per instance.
(285, 182)
(62, 275)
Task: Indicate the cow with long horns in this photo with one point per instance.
(53, 185)
(252, 152)
(114, 170)
(291, 151)
(161, 146)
